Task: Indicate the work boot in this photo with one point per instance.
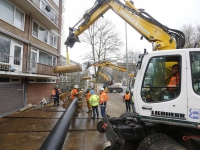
(90, 112)
(93, 117)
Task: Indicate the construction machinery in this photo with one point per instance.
(109, 65)
(165, 117)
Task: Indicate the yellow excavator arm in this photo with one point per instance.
(104, 76)
(107, 64)
(161, 36)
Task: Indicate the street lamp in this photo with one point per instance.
(126, 57)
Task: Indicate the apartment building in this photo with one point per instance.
(30, 39)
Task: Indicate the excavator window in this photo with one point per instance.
(162, 78)
(195, 71)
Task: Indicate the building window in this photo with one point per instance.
(50, 13)
(11, 14)
(195, 71)
(4, 80)
(35, 29)
(56, 2)
(52, 40)
(44, 35)
(32, 80)
(47, 59)
(4, 49)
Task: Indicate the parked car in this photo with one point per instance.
(117, 87)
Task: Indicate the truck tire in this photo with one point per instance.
(159, 141)
(127, 114)
(118, 90)
(109, 91)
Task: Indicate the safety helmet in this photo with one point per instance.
(102, 89)
(92, 92)
(76, 86)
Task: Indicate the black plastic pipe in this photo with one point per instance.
(56, 138)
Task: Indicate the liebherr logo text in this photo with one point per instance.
(136, 23)
(168, 114)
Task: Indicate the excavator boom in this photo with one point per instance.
(107, 64)
(161, 36)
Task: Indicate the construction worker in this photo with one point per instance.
(103, 98)
(127, 100)
(94, 102)
(56, 92)
(74, 92)
(174, 81)
(87, 96)
(171, 91)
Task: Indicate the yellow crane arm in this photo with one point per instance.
(104, 76)
(108, 64)
(161, 36)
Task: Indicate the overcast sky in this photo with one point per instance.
(172, 13)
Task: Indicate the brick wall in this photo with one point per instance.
(36, 91)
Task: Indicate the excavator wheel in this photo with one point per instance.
(99, 127)
(106, 145)
(127, 114)
(159, 141)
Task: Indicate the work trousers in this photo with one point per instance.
(88, 105)
(95, 111)
(56, 100)
(103, 109)
(128, 108)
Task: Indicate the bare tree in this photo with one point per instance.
(190, 35)
(104, 41)
(132, 59)
(197, 36)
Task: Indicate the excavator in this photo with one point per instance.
(167, 110)
(110, 65)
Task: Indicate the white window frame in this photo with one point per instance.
(15, 81)
(57, 4)
(34, 80)
(55, 44)
(52, 56)
(14, 14)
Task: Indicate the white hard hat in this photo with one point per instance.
(102, 89)
(76, 86)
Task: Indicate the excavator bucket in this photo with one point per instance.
(71, 39)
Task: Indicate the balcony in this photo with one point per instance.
(40, 10)
(22, 66)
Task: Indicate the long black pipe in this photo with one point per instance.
(56, 138)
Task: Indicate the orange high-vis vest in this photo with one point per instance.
(73, 93)
(53, 92)
(103, 97)
(127, 97)
(88, 96)
(174, 80)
